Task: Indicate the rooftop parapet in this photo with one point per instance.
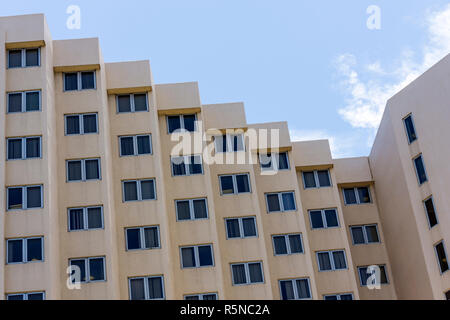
(224, 116)
(312, 154)
(128, 77)
(25, 31)
(277, 133)
(76, 55)
(352, 171)
(178, 98)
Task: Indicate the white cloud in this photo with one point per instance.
(341, 146)
(366, 99)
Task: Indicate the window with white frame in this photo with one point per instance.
(136, 102)
(83, 170)
(183, 122)
(135, 145)
(229, 143)
(287, 244)
(24, 197)
(441, 256)
(146, 288)
(30, 296)
(410, 129)
(76, 81)
(22, 58)
(85, 218)
(281, 202)
(142, 238)
(25, 250)
(240, 228)
(274, 161)
(295, 289)
(80, 124)
(234, 184)
(191, 209)
(247, 273)
(420, 169)
(91, 269)
(324, 219)
(25, 101)
(187, 165)
(139, 190)
(431, 212)
(360, 195)
(197, 256)
(366, 272)
(23, 148)
(316, 179)
(331, 260)
(202, 296)
(334, 297)
(365, 234)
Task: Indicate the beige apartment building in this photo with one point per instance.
(93, 178)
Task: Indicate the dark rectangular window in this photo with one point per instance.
(139, 190)
(91, 269)
(203, 296)
(187, 165)
(247, 273)
(88, 218)
(142, 238)
(420, 170)
(197, 256)
(295, 289)
(32, 57)
(191, 209)
(26, 296)
(323, 219)
(274, 161)
(241, 227)
(25, 250)
(136, 102)
(431, 212)
(180, 123)
(365, 234)
(331, 260)
(316, 179)
(21, 58)
(280, 202)
(147, 288)
(15, 59)
(135, 145)
(83, 170)
(410, 129)
(26, 101)
(442, 256)
(334, 297)
(83, 80)
(366, 272)
(81, 124)
(234, 184)
(360, 195)
(23, 198)
(287, 244)
(229, 143)
(24, 148)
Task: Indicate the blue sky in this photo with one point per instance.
(312, 63)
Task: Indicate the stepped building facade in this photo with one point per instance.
(114, 187)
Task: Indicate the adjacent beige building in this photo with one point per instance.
(95, 178)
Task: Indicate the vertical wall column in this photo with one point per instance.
(2, 162)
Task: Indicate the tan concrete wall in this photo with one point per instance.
(411, 264)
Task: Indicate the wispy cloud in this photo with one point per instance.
(366, 99)
(341, 146)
